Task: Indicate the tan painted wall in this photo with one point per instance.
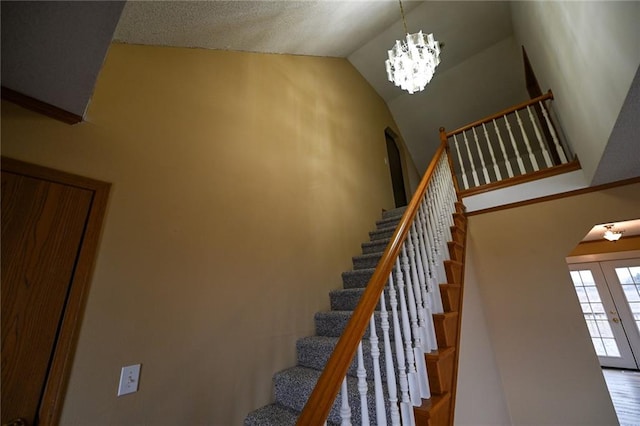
(242, 185)
(548, 368)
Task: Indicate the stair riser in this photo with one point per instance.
(457, 235)
(446, 329)
(453, 270)
(440, 372)
(450, 297)
(456, 251)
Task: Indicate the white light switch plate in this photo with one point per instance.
(129, 378)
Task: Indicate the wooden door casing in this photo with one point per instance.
(62, 215)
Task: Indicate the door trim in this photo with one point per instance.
(60, 368)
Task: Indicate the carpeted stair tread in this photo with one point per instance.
(272, 415)
(314, 352)
(333, 323)
(397, 212)
(377, 246)
(385, 223)
(365, 261)
(347, 299)
(294, 385)
(382, 233)
(358, 278)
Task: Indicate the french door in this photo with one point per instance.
(609, 294)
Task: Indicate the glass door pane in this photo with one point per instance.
(601, 316)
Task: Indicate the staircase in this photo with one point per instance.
(293, 386)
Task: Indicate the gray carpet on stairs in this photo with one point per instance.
(293, 386)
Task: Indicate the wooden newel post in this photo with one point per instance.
(445, 143)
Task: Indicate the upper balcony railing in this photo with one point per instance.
(518, 144)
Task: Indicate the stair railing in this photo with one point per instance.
(409, 272)
(516, 141)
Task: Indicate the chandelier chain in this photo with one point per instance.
(404, 22)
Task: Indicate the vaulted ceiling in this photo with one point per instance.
(53, 51)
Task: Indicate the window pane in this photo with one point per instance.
(605, 329)
(586, 308)
(575, 277)
(611, 347)
(635, 274)
(631, 292)
(593, 329)
(582, 294)
(592, 294)
(624, 275)
(597, 307)
(599, 347)
(587, 278)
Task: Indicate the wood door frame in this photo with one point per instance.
(60, 368)
(391, 137)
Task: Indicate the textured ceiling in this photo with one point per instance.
(317, 28)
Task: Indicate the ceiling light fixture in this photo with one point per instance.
(612, 235)
(411, 63)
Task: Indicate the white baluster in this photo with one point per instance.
(381, 414)
(406, 409)
(485, 173)
(515, 146)
(436, 279)
(532, 157)
(425, 317)
(362, 387)
(554, 136)
(418, 332)
(345, 410)
(543, 148)
(507, 163)
(412, 376)
(432, 274)
(496, 169)
(463, 172)
(474, 174)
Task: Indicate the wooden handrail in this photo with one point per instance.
(321, 400)
(548, 95)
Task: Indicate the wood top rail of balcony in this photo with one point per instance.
(548, 95)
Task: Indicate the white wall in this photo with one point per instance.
(587, 53)
(480, 399)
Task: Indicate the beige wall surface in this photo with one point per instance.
(587, 53)
(242, 185)
(480, 399)
(548, 368)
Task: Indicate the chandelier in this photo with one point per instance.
(411, 63)
(610, 234)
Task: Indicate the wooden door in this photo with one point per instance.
(48, 224)
(395, 168)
